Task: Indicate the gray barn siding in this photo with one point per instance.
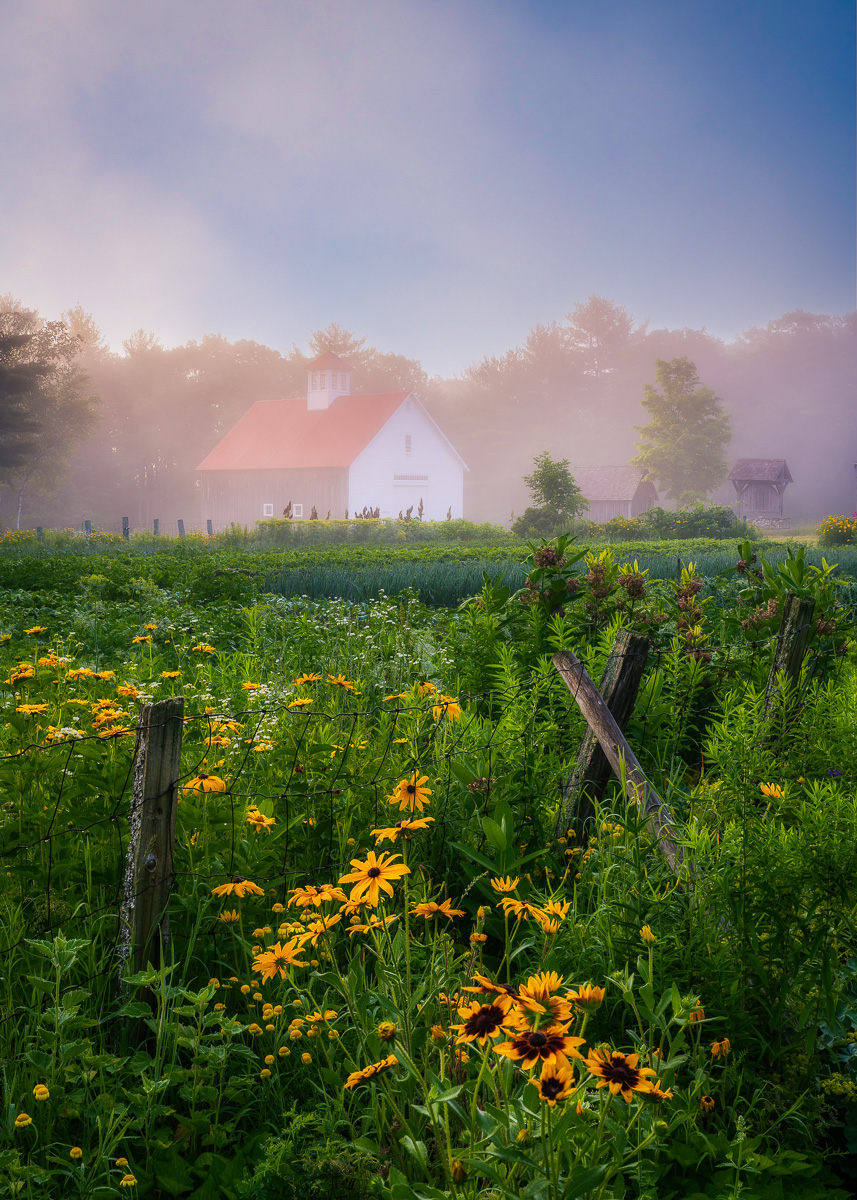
(238, 497)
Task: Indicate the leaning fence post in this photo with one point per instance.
(126, 528)
(619, 686)
(619, 754)
(181, 528)
(789, 649)
(144, 925)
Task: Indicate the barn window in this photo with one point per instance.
(314, 380)
(267, 510)
(407, 443)
(322, 379)
(298, 510)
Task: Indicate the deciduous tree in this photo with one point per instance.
(683, 445)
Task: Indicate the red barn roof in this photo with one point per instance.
(280, 434)
(328, 362)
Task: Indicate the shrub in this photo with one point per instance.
(838, 531)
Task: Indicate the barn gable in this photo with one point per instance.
(759, 485)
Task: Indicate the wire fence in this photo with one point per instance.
(65, 871)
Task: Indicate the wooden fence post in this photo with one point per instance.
(210, 528)
(87, 525)
(792, 636)
(156, 524)
(619, 754)
(126, 527)
(181, 528)
(40, 533)
(144, 925)
(619, 686)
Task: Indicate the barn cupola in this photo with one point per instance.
(327, 377)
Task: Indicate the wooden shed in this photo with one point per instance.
(759, 485)
(615, 491)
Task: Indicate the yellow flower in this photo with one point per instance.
(259, 821)
(203, 648)
(619, 1072)
(301, 703)
(446, 707)
(265, 1073)
(315, 895)
(75, 1152)
(341, 681)
(706, 1104)
(401, 829)
(32, 710)
(127, 1181)
(373, 876)
(37, 629)
(588, 997)
(121, 1162)
(141, 640)
(250, 687)
(170, 674)
(555, 1083)
(371, 1072)
(239, 888)
(647, 935)
(41, 1092)
(432, 909)
(228, 917)
(22, 1120)
(772, 790)
(277, 959)
(307, 677)
(505, 885)
(721, 1047)
(205, 783)
(387, 1031)
(306, 1058)
(410, 793)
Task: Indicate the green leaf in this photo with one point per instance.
(584, 1181)
(495, 835)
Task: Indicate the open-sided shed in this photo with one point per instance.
(759, 485)
(615, 491)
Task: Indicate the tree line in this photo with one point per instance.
(86, 432)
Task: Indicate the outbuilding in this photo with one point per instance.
(759, 485)
(615, 491)
(332, 454)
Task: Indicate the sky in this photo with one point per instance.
(435, 175)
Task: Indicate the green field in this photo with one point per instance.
(371, 820)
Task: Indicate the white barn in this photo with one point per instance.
(334, 453)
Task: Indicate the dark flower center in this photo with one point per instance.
(537, 1039)
(484, 1021)
(620, 1072)
(411, 788)
(374, 872)
(551, 1088)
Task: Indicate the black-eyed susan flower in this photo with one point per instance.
(432, 909)
(238, 887)
(387, 1031)
(697, 1015)
(448, 707)
(403, 829)
(371, 1072)
(36, 629)
(457, 1170)
(549, 1045)
(647, 935)
(259, 821)
(307, 677)
(587, 997)
(505, 885)
(277, 959)
(772, 790)
(555, 1083)
(374, 925)
(205, 783)
(720, 1047)
(538, 996)
(411, 793)
(521, 909)
(373, 876)
(618, 1072)
(315, 895)
(481, 1021)
(706, 1104)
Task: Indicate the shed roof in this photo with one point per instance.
(760, 470)
(281, 434)
(608, 483)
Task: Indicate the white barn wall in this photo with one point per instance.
(371, 480)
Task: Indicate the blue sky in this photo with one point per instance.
(437, 175)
